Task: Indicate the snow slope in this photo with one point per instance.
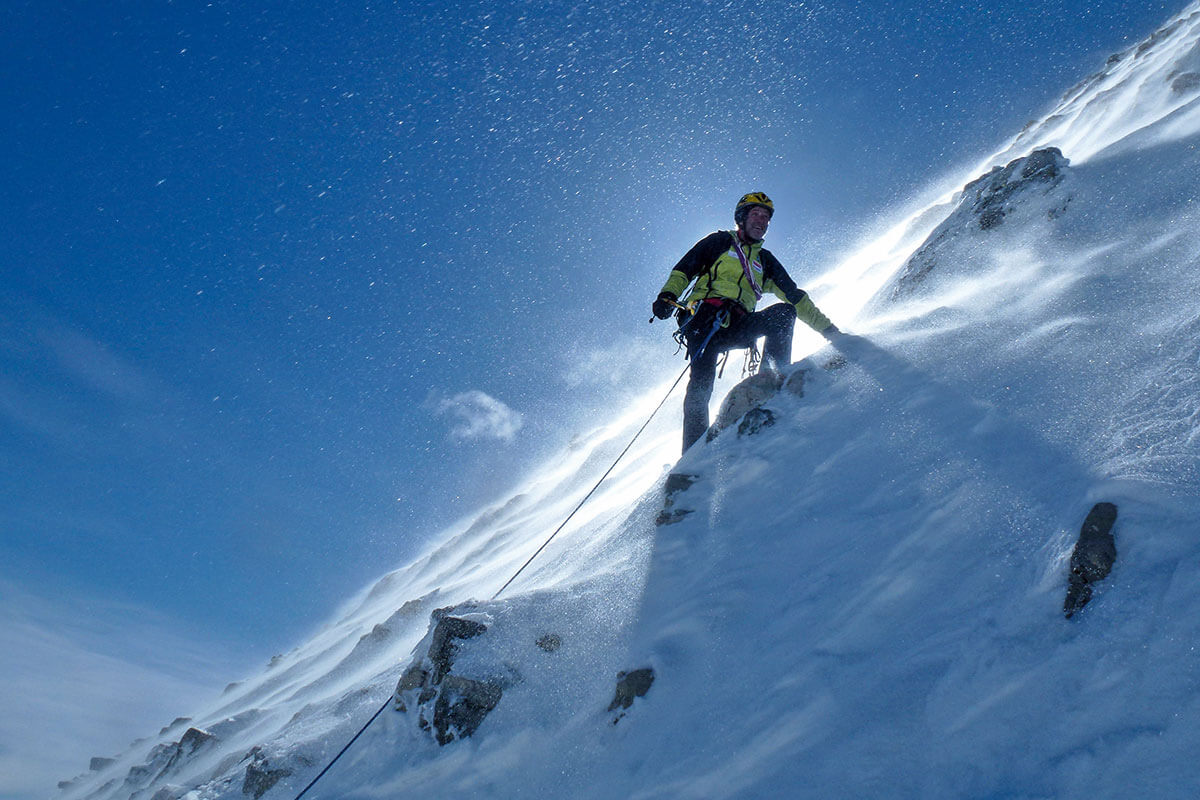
(866, 598)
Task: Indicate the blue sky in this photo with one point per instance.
(261, 258)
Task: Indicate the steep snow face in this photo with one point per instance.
(864, 598)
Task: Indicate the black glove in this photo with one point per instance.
(662, 306)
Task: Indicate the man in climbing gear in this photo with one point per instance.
(731, 271)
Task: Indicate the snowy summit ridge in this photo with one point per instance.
(862, 594)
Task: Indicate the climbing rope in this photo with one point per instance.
(342, 752)
(717, 323)
(597, 486)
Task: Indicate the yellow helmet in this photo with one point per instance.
(748, 202)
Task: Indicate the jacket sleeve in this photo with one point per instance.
(702, 256)
(778, 282)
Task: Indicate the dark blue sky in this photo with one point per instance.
(251, 247)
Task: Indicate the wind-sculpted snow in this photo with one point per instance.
(1154, 84)
(863, 599)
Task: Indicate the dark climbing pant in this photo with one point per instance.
(776, 323)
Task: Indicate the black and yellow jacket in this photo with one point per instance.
(715, 267)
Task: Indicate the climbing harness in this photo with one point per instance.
(718, 321)
(753, 360)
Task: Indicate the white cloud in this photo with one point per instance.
(478, 415)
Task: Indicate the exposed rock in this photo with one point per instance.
(750, 393)
(794, 383)
(990, 194)
(377, 634)
(415, 677)
(141, 774)
(666, 517)
(462, 705)
(167, 757)
(549, 642)
(453, 706)
(443, 648)
(1093, 556)
(99, 763)
(677, 483)
(168, 793)
(835, 362)
(630, 685)
(755, 420)
(193, 739)
(985, 202)
(260, 777)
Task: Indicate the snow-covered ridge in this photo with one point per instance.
(1153, 84)
(861, 599)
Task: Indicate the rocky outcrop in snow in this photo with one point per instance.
(752, 393)
(1093, 556)
(453, 706)
(165, 759)
(261, 774)
(677, 483)
(630, 685)
(983, 204)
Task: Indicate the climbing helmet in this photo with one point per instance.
(748, 202)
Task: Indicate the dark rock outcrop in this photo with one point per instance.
(984, 203)
(755, 420)
(452, 706)
(260, 776)
(444, 646)
(677, 483)
(630, 685)
(749, 394)
(1093, 556)
(989, 195)
(166, 758)
(461, 707)
(549, 642)
(193, 739)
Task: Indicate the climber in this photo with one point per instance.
(731, 271)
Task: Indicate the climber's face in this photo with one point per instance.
(756, 223)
